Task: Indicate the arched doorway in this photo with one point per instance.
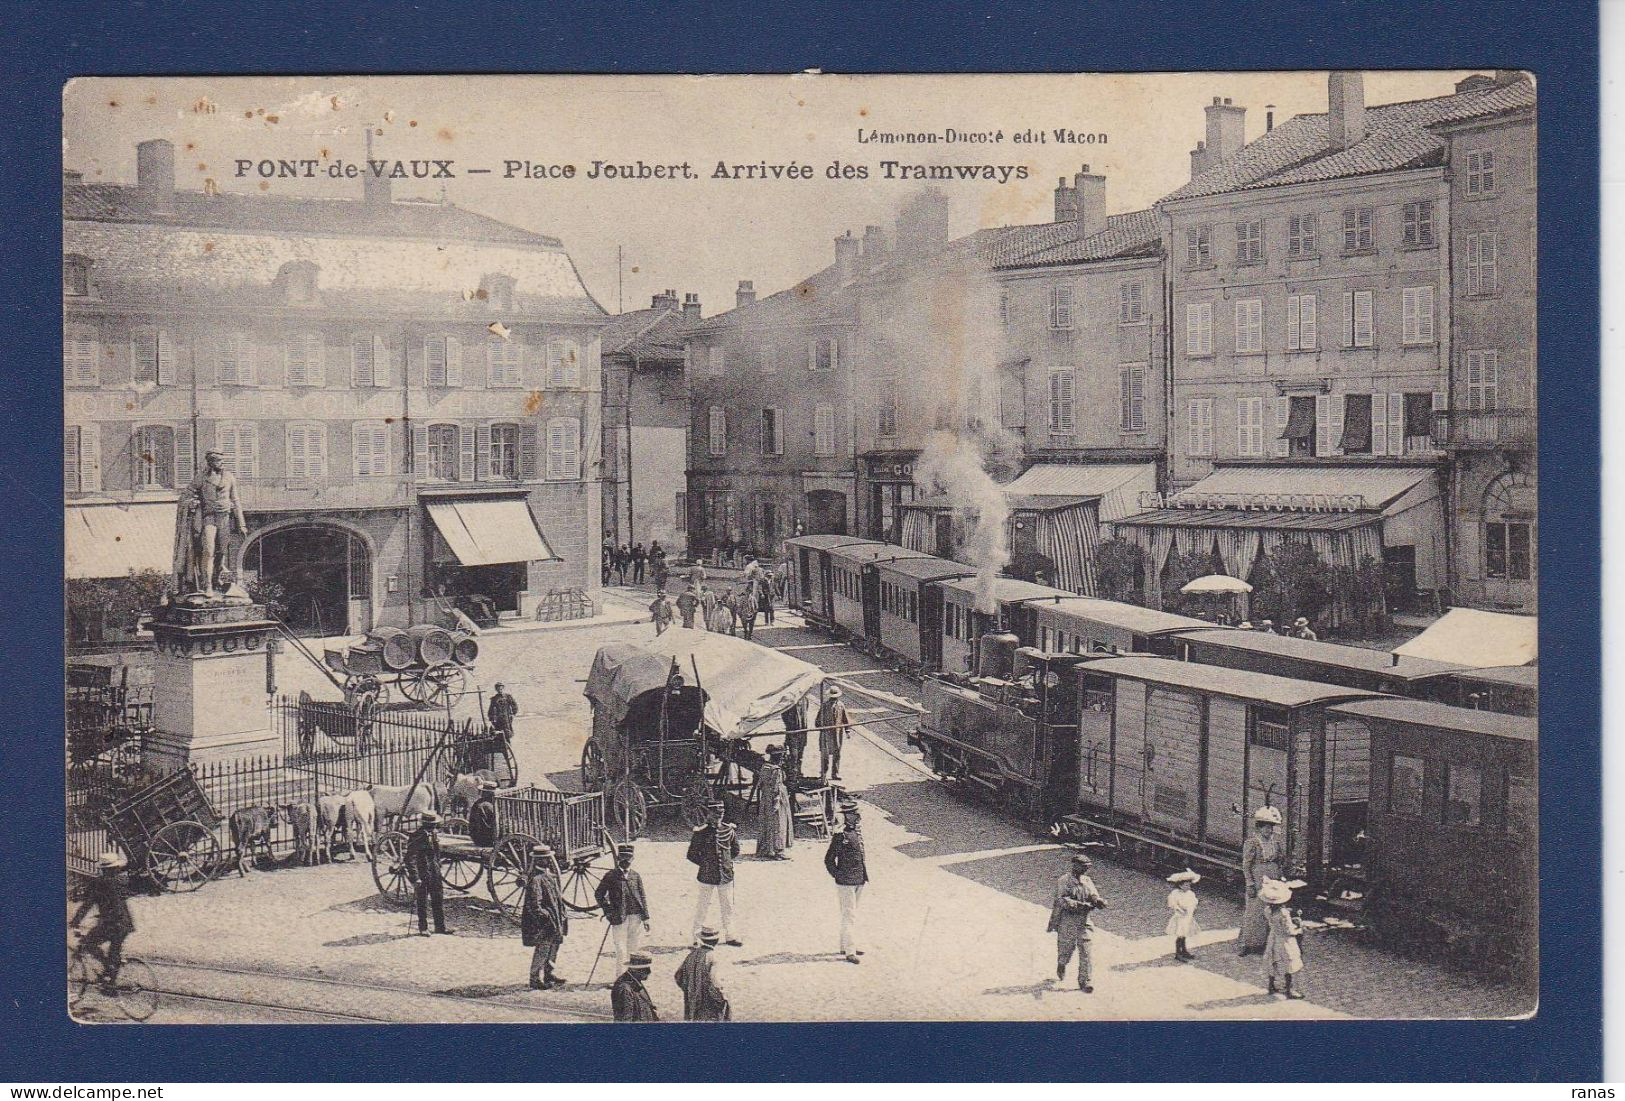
(324, 573)
(1510, 540)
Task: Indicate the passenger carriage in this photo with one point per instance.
(1085, 625)
(814, 571)
(855, 595)
(1512, 690)
(1311, 659)
(910, 615)
(964, 622)
(1451, 861)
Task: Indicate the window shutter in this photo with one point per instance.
(1348, 319)
(454, 361)
(1323, 424)
(296, 451)
(420, 450)
(360, 361)
(1379, 424)
(1396, 424)
(812, 356)
(465, 454)
(572, 449)
(295, 367)
(1283, 410)
(316, 449)
(1364, 333)
(380, 362)
(1243, 427)
(1424, 306)
(527, 451)
(166, 359)
(434, 360)
(248, 444)
(185, 461)
(1294, 329)
(90, 459)
(1338, 403)
(1308, 337)
(263, 361)
(555, 450)
(1193, 427)
(482, 452)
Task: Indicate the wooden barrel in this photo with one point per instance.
(465, 648)
(433, 644)
(399, 650)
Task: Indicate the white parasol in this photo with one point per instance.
(1217, 583)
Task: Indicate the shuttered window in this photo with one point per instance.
(81, 459)
(772, 431)
(503, 359)
(1199, 427)
(1199, 328)
(1416, 315)
(79, 357)
(442, 444)
(1359, 229)
(1300, 235)
(1198, 245)
(563, 364)
(1481, 172)
(1250, 428)
(1358, 327)
(234, 359)
(504, 452)
(1062, 401)
(1131, 398)
(239, 447)
(443, 361)
(1249, 325)
(1131, 303)
(717, 427)
(152, 462)
(371, 443)
(1419, 223)
(1060, 307)
(563, 449)
(886, 407)
(1302, 333)
(369, 361)
(304, 360)
(1483, 380)
(824, 430)
(1249, 242)
(823, 354)
(1483, 270)
(307, 450)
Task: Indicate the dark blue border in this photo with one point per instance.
(46, 43)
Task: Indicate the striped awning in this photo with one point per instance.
(111, 539)
(490, 532)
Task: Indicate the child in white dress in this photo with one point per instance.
(1182, 901)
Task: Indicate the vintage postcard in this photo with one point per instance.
(801, 547)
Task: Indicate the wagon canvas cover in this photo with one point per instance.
(745, 684)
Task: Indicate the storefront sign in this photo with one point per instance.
(1257, 502)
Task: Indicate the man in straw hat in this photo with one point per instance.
(1282, 955)
(1301, 629)
(846, 863)
(1262, 857)
(833, 724)
(713, 847)
(110, 898)
(1182, 924)
(629, 997)
(482, 816)
(620, 895)
(543, 920)
(1075, 899)
(700, 979)
(423, 861)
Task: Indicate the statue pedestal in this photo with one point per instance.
(209, 684)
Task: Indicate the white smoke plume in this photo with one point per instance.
(951, 464)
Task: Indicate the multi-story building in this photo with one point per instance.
(401, 388)
(1310, 283)
(1490, 426)
(770, 448)
(646, 422)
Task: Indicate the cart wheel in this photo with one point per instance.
(411, 686)
(389, 868)
(182, 856)
(79, 978)
(442, 685)
(461, 868)
(594, 769)
(137, 989)
(579, 884)
(506, 870)
(628, 809)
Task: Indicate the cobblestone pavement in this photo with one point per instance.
(952, 923)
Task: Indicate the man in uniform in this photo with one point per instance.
(482, 816)
(108, 896)
(543, 922)
(699, 979)
(629, 998)
(208, 514)
(423, 861)
(844, 860)
(713, 847)
(502, 711)
(1075, 899)
(620, 895)
(833, 724)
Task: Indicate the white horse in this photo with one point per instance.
(360, 815)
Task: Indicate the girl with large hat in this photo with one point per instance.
(1281, 953)
(1263, 856)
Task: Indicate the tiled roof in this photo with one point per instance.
(1132, 234)
(1397, 136)
(817, 299)
(644, 334)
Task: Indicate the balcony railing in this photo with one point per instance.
(1475, 429)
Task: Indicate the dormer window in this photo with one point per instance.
(75, 276)
(298, 282)
(496, 291)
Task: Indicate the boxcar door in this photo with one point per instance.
(1096, 703)
(869, 581)
(1176, 725)
(1129, 795)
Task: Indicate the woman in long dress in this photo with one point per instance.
(1262, 857)
(776, 825)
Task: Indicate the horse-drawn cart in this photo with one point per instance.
(571, 823)
(167, 830)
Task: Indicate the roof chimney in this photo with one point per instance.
(874, 246)
(1199, 159)
(155, 174)
(375, 186)
(1090, 195)
(1226, 132)
(1269, 117)
(1066, 201)
(691, 307)
(1345, 109)
(665, 300)
(746, 294)
(846, 257)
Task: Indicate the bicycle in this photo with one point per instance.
(135, 991)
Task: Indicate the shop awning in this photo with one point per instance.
(490, 532)
(1480, 640)
(1267, 486)
(112, 540)
(1118, 485)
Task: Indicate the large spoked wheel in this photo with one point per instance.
(389, 868)
(579, 883)
(627, 809)
(438, 685)
(594, 769)
(460, 867)
(181, 856)
(137, 989)
(506, 871)
(80, 976)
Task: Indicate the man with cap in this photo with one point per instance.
(620, 895)
(1301, 629)
(502, 711)
(629, 998)
(423, 863)
(713, 846)
(1262, 858)
(482, 816)
(698, 977)
(833, 724)
(844, 860)
(110, 898)
(543, 920)
(1075, 899)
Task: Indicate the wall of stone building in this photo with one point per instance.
(658, 456)
(749, 492)
(1226, 375)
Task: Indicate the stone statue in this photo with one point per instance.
(206, 516)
